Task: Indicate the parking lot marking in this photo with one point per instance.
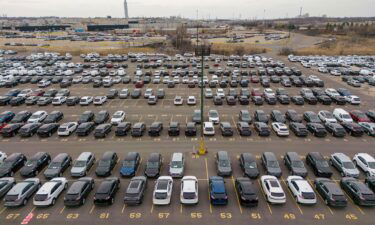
(92, 209)
(123, 209)
(291, 194)
(181, 208)
(264, 196)
(209, 199)
(152, 208)
(62, 210)
(3, 210)
(312, 185)
(237, 195)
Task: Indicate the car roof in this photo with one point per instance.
(60, 157)
(223, 155)
(76, 187)
(294, 156)
(248, 157)
(154, 157)
(46, 188)
(131, 156)
(269, 155)
(37, 155)
(107, 155)
(341, 156)
(13, 156)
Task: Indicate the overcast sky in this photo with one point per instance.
(245, 9)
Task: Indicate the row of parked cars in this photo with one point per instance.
(46, 195)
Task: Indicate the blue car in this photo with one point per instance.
(6, 116)
(13, 92)
(218, 192)
(130, 164)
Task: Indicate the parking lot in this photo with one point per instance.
(202, 167)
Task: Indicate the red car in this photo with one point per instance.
(256, 92)
(359, 116)
(139, 84)
(254, 79)
(38, 92)
(2, 125)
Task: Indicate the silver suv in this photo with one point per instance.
(82, 164)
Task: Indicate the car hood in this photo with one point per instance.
(127, 170)
(102, 169)
(175, 170)
(50, 171)
(274, 170)
(77, 169)
(224, 169)
(152, 172)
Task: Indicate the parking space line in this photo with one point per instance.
(152, 208)
(237, 195)
(123, 208)
(3, 210)
(209, 199)
(62, 210)
(264, 196)
(92, 209)
(312, 185)
(181, 208)
(294, 200)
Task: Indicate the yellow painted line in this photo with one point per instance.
(62, 210)
(92, 209)
(209, 199)
(312, 185)
(180, 208)
(294, 200)
(152, 208)
(3, 210)
(32, 210)
(347, 196)
(263, 194)
(123, 208)
(237, 195)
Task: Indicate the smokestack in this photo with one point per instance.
(126, 10)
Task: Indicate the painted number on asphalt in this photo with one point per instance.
(135, 215)
(163, 215)
(104, 216)
(256, 216)
(72, 216)
(351, 216)
(12, 216)
(226, 215)
(289, 216)
(319, 216)
(196, 215)
(42, 216)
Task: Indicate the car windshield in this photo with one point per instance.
(6, 164)
(31, 162)
(2, 184)
(117, 116)
(224, 163)
(346, 116)
(104, 163)
(348, 165)
(371, 165)
(176, 164)
(213, 114)
(250, 165)
(54, 165)
(34, 117)
(297, 164)
(80, 164)
(188, 195)
(245, 116)
(152, 165)
(128, 163)
(273, 164)
(85, 117)
(322, 163)
(162, 195)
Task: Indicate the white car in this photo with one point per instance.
(268, 92)
(368, 127)
(37, 117)
(220, 93)
(44, 83)
(118, 117)
(335, 73)
(322, 69)
(301, 190)
(163, 191)
(213, 116)
(124, 93)
(100, 100)
(326, 116)
(86, 100)
(148, 93)
(208, 93)
(59, 100)
(178, 100)
(208, 129)
(25, 93)
(189, 190)
(280, 129)
(366, 162)
(331, 92)
(3, 156)
(77, 79)
(273, 190)
(67, 128)
(50, 191)
(191, 100)
(353, 99)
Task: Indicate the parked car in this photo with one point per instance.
(12, 164)
(35, 164)
(130, 164)
(135, 191)
(50, 191)
(330, 191)
(153, 165)
(82, 164)
(359, 192)
(78, 192)
(21, 192)
(248, 165)
(246, 191)
(57, 166)
(272, 189)
(270, 164)
(217, 191)
(106, 192)
(106, 164)
(319, 164)
(295, 164)
(301, 190)
(163, 191)
(344, 165)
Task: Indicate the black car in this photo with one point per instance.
(293, 116)
(248, 165)
(102, 130)
(174, 129)
(217, 100)
(330, 192)
(4, 100)
(299, 129)
(10, 130)
(335, 129)
(106, 164)
(257, 100)
(105, 194)
(21, 117)
(262, 128)
(226, 129)
(54, 117)
(246, 192)
(72, 101)
(160, 93)
(243, 129)
(86, 116)
(260, 116)
(47, 130)
(85, 129)
(58, 165)
(191, 129)
(370, 181)
(354, 129)
(78, 192)
(135, 191)
(155, 129)
(35, 164)
(101, 117)
(16, 101)
(270, 164)
(277, 116)
(130, 164)
(338, 99)
(122, 129)
(283, 99)
(324, 99)
(317, 129)
(29, 129)
(138, 129)
(50, 93)
(295, 164)
(271, 100)
(319, 164)
(311, 117)
(298, 100)
(310, 99)
(244, 100)
(12, 164)
(371, 114)
(153, 165)
(359, 192)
